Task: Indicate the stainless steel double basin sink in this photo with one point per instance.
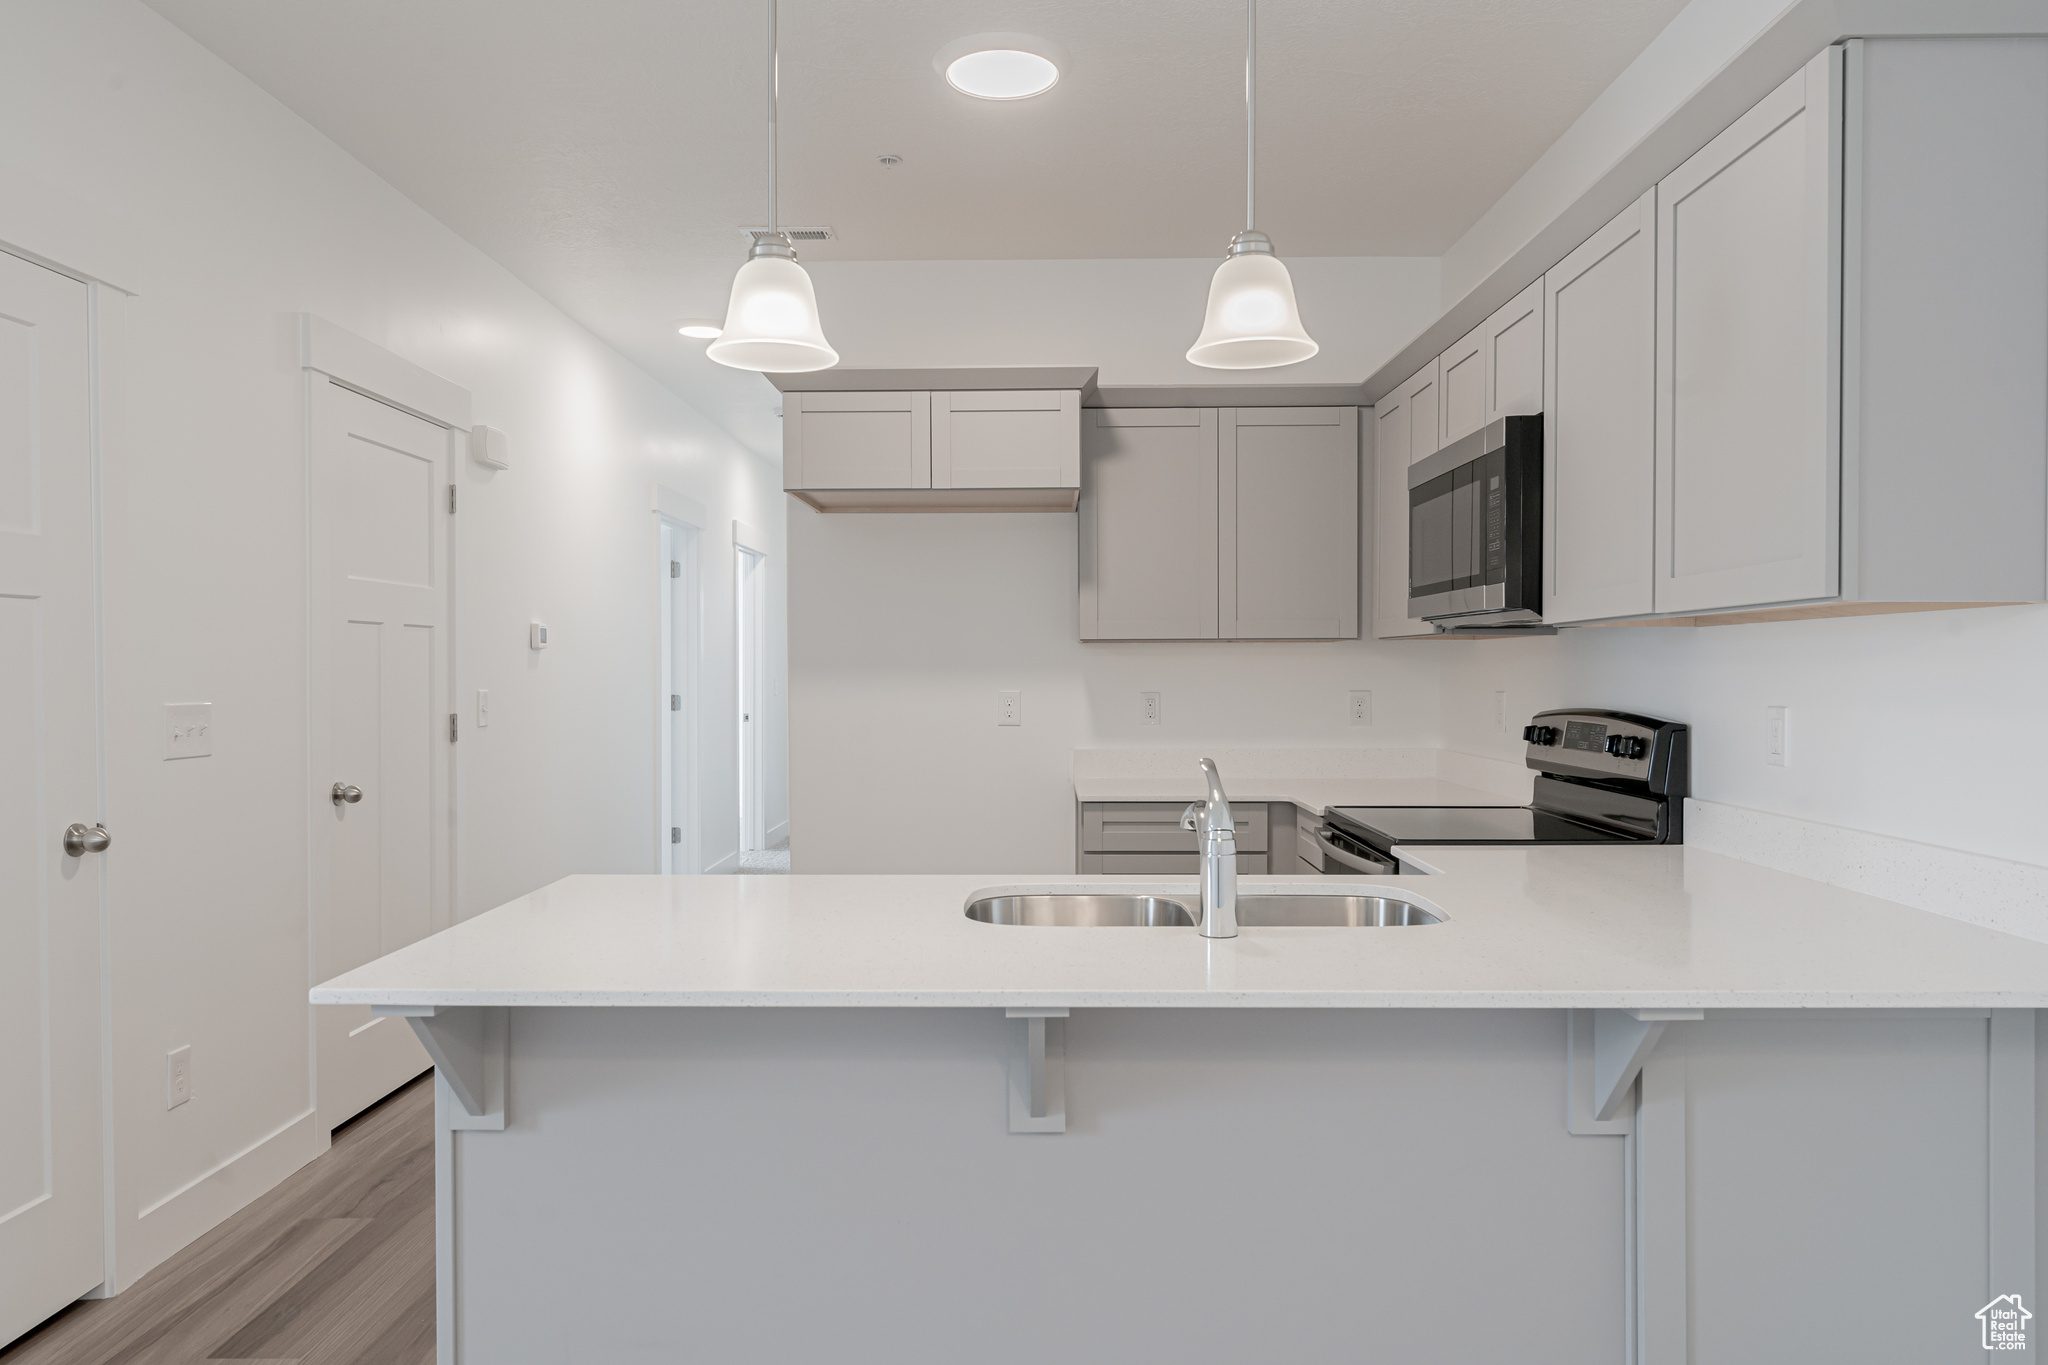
(1080, 911)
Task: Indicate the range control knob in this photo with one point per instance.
(1625, 746)
(1539, 734)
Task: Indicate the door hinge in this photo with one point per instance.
(675, 701)
(451, 727)
(675, 568)
(675, 834)
(451, 499)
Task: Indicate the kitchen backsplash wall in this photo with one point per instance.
(1925, 726)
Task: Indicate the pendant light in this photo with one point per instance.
(1252, 322)
(771, 321)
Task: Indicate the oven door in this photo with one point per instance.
(1334, 853)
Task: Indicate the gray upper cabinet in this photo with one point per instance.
(1748, 262)
(1461, 388)
(1206, 523)
(856, 440)
(933, 450)
(1148, 524)
(1019, 438)
(1599, 427)
(1512, 340)
(1287, 525)
(1394, 446)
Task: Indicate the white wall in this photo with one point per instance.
(903, 628)
(1925, 726)
(128, 150)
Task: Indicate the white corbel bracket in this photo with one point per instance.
(1038, 1070)
(467, 1045)
(1604, 1053)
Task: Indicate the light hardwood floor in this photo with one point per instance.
(333, 1267)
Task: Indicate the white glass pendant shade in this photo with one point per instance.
(1252, 322)
(771, 322)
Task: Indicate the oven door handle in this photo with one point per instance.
(1345, 858)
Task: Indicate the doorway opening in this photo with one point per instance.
(750, 582)
(680, 829)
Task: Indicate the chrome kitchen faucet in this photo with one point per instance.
(1218, 831)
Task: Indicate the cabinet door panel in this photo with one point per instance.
(1021, 439)
(1148, 524)
(1599, 427)
(857, 440)
(1463, 386)
(1748, 342)
(1288, 523)
(1426, 412)
(1514, 357)
(1393, 420)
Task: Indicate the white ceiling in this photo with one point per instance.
(608, 151)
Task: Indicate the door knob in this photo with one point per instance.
(79, 841)
(346, 793)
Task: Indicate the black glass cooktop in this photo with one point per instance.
(1388, 825)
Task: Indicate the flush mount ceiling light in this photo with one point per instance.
(771, 320)
(1252, 322)
(700, 328)
(1000, 66)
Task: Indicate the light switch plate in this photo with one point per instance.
(536, 636)
(178, 1076)
(1361, 708)
(483, 708)
(1778, 736)
(188, 729)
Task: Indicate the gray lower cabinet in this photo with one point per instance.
(1145, 838)
(1219, 523)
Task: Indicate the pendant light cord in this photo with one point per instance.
(1251, 56)
(774, 99)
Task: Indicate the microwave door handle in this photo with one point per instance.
(1345, 858)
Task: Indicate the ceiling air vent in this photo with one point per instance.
(796, 234)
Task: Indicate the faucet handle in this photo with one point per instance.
(1187, 817)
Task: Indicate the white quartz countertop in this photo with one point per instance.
(1554, 927)
(1315, 794)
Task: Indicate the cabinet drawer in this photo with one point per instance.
(1154, 827)
(1165, 864)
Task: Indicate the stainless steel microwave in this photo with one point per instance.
(1475, 528)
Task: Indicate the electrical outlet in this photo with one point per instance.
(1778, 750)
(1009, 708)
(1500, 710)
(1148, 708)
(178, 1076)
(188, 729)
(1361, 708)
(483, 708)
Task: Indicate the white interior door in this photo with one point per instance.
(50, 1244)
(682, 836)
(380, 719)
(749, 578)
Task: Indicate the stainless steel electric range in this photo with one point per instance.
(1605, 777)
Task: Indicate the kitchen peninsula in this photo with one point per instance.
(1615, 1098)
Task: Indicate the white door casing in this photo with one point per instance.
(379, 720)
(51, 1246)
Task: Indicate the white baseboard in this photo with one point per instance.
(168, 1225)
(729, 863)
(1994, 892)
(778, 834)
